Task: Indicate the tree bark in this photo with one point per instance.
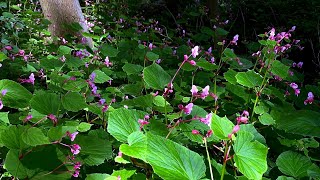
(61, 13)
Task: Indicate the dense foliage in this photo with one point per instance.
(152, 100)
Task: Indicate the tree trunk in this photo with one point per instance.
(61, 13)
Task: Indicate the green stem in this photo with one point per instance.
(223, 171)
(208, 156)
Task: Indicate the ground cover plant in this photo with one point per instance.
(150, 101)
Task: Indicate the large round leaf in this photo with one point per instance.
(17, 96)
(156, 77)
(73, 101)
(249, 79)
(46, 103)
(122, 122)
(293, 164)
(303, 122)
(250, 156)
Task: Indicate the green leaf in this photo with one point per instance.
(98, 176)
(229, 53)
(293, 164)
(84, 127)
(314, 171)
(51, 62)
(136, 147)
(101, 77)
(4, 117)
(11, 137)
(251, 129)
(160, 101)
(17, 96)
(64, 50)
(170, 160)
(266, 119)
(122, 122)
(46, 103)
(152, 56)
(94, 149)
(221, 127)
(2, 56)
(73, 101)
(230, 76)
(14, 166)
(34, 137)
(207, 65)
(249, 79)
(250, 156)
(156, 77)
(279, 69)
(74, 86)
(108, 50)
(303, 122)
(132, 68)
(285, 178)
(124, 174)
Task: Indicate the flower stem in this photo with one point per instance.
(223, 171)
(208, 156)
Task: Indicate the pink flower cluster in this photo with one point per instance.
(205, 92)
(309, 99)
(3, 93)
(243, 118)
(144, 121)
(30, 80)
(294, 86)
(186, 109)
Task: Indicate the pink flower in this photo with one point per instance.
(207, 119)
(205, 92)
(1, 104)
(194, 90)
(235, 129)
(192, 62)
(242, 119)
(147, 117)
(92, 76)
(120, 154)
(107, 62)
(4, 92)
(296, 92)
(272, 33)
(150, 46)
(62, 58)
(73, 135)
(76, 173)
(75, 149)
(309, 99)
(77, 165)
(195, 51)
(28, 118)
(105, 108)
(21, 52)
(53, 118)
(235, 39)
(102, 101)
(30, 80)
(293, 85)
(143, 122)
(188, 108)
(245, 113)
(212, 60)
(209, 133)
(8, 48)
(195, 132)
(300, 64)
